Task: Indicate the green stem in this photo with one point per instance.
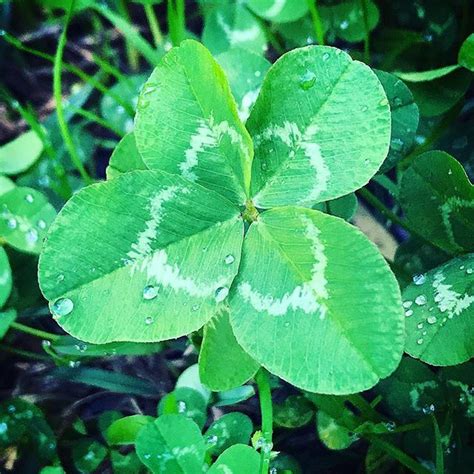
(153, 23)
(95, 118)
(63, 126)
(375, 202)
(21, 352)
(92, 81)
(365, 13)
(365, 408)
(399, 455)
(132, 53)
(34, 332)
(266, 409)
(176, 21)
(317, 23)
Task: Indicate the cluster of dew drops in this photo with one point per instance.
(421, 300)
(32, 234)
(64, 306)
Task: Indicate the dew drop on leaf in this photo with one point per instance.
(325, 56)
(211, 440)
(29, 198)
(3, 428)
(148, 320)
(221, 294)
(32, 236)
(42, 224)
(195, 307)
(408, 313)
(181, 406)
(407, 304)
(419, 325)
(62, 307)
(344, 25)
(469, 271)
(420, 300)
(150, 292)
(431, 320)
(420, 341)
(428, 409)
(11, 223)
(419, 279)
(397, 102)
(229, 259)
(308, 79)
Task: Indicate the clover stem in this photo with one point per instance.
(266, 409)
(57, 85)
(316, 18)
(153, 23)
(34, 332)
(365, 12)
(21, 352)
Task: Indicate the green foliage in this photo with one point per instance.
(217, 308)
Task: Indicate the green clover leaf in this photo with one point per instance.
(157, 253)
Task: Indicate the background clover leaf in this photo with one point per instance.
(439, 310)
(320, 126)
(148, 261)
(438, 199)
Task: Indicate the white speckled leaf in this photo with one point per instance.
(438, 200)
(187, 123)
(245, 71)
(173, 444)
(223, 364)
(439, 309)
(140, 258)
(230, 26)
(238, 459)
(321, 128)
(24, 219)
(316, 304)
(279, 11)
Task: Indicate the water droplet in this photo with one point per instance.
(420, 341)
(419, 325)
(3, 428)
(12, 223)
(397, 102)
(229, 259)
(407, 304)
(195, 307)
(344, 25)
(307, 80)
(45, 343)
(29, 198)
(287, 324)
(428, 409)
(364, 108)
(150, 292)
(390, 425)
(326, 56)
(384, 101)
(420, 300)
(147, 455)
(211, 439)
(74, 363)
(60, 278)
(408, 313)
(11, 408)
(81, 347)
(221, 294)
(32, 236)
(397, 144)
(469, 271)
(181, 406)
(148, 320)
(42, 224)
(258, 73)
(431, 320)
(450, 171)
(419, 279)
(62, 307)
